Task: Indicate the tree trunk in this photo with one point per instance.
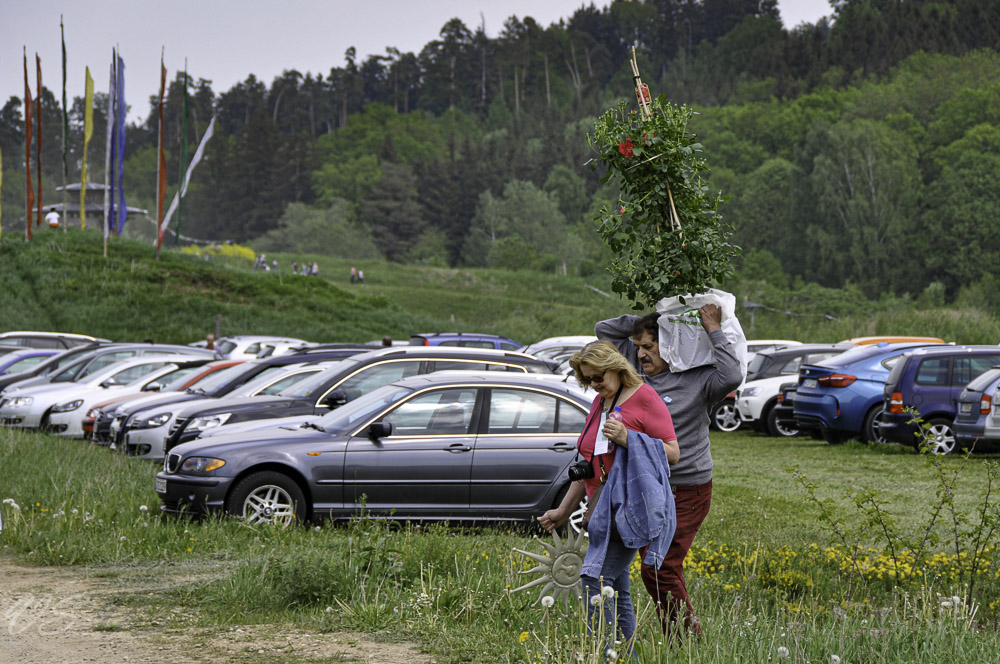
(548, 91)
(517, 95)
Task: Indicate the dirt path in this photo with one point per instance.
(55, 615)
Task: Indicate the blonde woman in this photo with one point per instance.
(601, 366)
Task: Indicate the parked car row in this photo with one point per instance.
(436, 430)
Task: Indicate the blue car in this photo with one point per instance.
(464, 340)
(22, 360)
(842, 397)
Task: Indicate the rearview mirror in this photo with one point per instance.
(379, 430)
(153, 387)
(335, 399)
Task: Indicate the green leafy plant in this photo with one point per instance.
(666, 232)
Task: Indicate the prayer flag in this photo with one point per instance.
(161, 163)
(182, 190)
(29, 203)
(65, 133)
(184, 155)
(109, 156)
(1, 196)
(38, 143)
(120, 92)
(88, 133)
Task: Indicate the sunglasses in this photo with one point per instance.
(596, 378)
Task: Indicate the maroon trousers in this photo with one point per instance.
(666, 585)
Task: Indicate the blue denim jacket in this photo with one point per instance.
(638, 493)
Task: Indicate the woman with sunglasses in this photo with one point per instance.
(599, 365)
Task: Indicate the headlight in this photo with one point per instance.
(94, 413)
(750, 392)
(210, 422)
(21, 401)
(68, 406)
(157, 420)
(201, 465)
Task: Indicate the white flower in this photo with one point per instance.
(121, 539)
(318, 528)
(611, 654)
(946, 604)
(143, 508)
(834, 659)
(782, 651)
(13, 505)
(548, 601)
(595, 600)
(608, 591)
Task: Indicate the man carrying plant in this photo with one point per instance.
(689, 395)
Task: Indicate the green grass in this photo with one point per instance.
(766, 571)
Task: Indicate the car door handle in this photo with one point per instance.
(562, 447)
(459, 447)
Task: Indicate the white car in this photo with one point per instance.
(148, 428)
(29, 407)
(754, 346)
(557, 348)
(35, 339)
(66, 418)
(250, 347)
(755, 402)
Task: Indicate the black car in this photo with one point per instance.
(784, 409)
(348, 380)
(786, 359)
(113, 426)
(456, 445)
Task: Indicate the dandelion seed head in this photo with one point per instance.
(782, 651)
(608, 591)
(548, 601)
(834, 659)
(143, 508)
(595, 600)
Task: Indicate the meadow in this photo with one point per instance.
(812, 553)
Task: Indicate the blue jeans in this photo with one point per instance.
(616, 609)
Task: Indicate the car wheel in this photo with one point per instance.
(724, 416)
(940, 436)
(776, 428)
(267, 497)
(833, 437)
(870, 432)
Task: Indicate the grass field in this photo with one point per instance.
(770, 576)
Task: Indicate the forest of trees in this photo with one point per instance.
(861, 150)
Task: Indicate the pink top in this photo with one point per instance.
(644, 411)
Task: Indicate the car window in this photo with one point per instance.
(813, 358)
(43, 342)
(378, 375)
(514, 411)
(457, 365)
(571, 419)
(933, 371)
(967, 368)
(225, 347)
(438, 413)
(889, 362)
(176, 377)
(508, 346)
(12, 341)
(133, 373)
(24, 363)
(792, 366)
(105, 361)
(469, 343)
(756, 363)
(284, 383)
(452, 342)
(252, 349)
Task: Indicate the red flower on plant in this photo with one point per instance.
(622, 211)
(625, 147)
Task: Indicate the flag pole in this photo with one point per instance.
(108, 189)
(29, 188)
(65, 133)
(38, 143)
(161, 162)
(184, 153)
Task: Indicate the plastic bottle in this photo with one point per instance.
(616, 414)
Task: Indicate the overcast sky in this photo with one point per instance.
(226, 40)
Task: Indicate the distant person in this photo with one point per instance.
(52, 218)
(354, 274)
(305, 269)
(210, 341)
(315, 269)
(361, 276)
(274, 264)
(295, 267)
(386, 340)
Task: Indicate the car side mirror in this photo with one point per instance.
(153, 387)
(335, 399)
(380, 430)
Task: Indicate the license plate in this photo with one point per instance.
(161, 485)
(810, 382)
(966, 408)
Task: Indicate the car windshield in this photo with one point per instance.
(23, 364)
(220, 379)
(174, 380)
(346, 418)
(309, 385)
(265, 378)
(69, 373)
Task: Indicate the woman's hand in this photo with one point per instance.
(553, 519)
(616, 432)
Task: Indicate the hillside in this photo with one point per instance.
(62, 282)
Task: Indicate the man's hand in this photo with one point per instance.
(711, 317)
(552, 519)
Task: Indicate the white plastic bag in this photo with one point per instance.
(684, 344)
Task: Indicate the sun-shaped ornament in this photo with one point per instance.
(559, 567)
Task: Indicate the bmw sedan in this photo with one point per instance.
(446, 446)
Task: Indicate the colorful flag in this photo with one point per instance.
(109, 156)
(120, 92)
(161, 162)
(88, 133)
(65, 133)
(38, 143)
(182, 190)
(29, 203)
(184, 156)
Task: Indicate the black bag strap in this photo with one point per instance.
(600, 457)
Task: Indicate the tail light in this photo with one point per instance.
(781, 397)
(896, 403)
(985, 405)
(836, 380)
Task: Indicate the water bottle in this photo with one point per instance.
(616, 414)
